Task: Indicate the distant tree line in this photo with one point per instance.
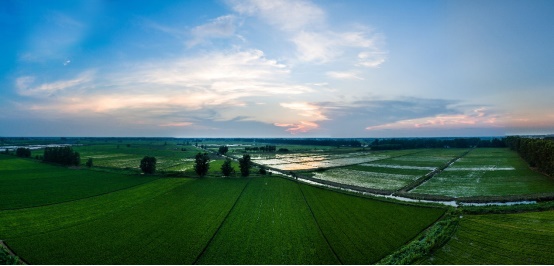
(266, 148)
(538, 153)
(61, 155)
(422, 143)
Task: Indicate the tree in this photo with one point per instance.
(202, 165)
(262, 171)
(245, 164)
(148, 164)
(89, 163)
(223, 149)
(226, 168)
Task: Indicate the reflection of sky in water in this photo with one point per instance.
(305, 163)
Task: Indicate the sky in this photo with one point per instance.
(276, 68)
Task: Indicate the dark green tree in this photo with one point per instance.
(89, 163)
(148, 164)
(226, 168)
(23, 152)
(223, 149)
(262, 171)
(201, 165)
(245, 164)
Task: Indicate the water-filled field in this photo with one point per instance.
(391, 173)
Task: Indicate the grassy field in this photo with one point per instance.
(27, 183)
(487, 172)
(524, 238)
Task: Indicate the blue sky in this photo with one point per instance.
(286, 68)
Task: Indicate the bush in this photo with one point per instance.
(6, 258)
(148, 164)
(89, 163)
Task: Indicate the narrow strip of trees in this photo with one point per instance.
(23, 152)
(61, 155)
(538, 153)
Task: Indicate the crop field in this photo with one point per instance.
(392, 173)
(487, 171)
(26, 183)
(524, 238)
(171, 228)
(209, 220)
(362, 231)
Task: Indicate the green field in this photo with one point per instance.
(210, 220)
(27, 183)
(525, 238)
(487, 172)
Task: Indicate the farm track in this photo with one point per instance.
(221, 224)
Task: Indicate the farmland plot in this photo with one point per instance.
(271, 224)
(363, 231)
(121, 156)
(487, 172)
(524, 238)
(171, 228)
(25, 183)
(389, 174)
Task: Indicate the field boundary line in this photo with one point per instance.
(10, 251)
(317, 223)
(221, 224)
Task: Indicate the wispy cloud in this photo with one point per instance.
(220, 27)
(344, 75)
(25, 86)
(479, 117)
